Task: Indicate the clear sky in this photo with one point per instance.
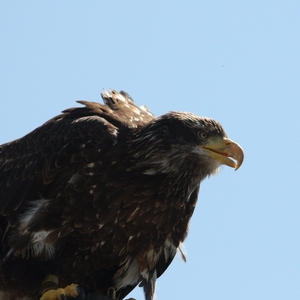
(235, 61)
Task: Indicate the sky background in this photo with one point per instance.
(234, 61)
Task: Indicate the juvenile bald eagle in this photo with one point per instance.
(102, 195)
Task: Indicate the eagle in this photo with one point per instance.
(98, 199)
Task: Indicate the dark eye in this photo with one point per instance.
(203, 135)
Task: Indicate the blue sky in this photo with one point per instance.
(235, 61)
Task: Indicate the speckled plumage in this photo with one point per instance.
(100, 195)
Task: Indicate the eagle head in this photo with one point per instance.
(183, 143)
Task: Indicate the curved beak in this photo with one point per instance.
(226, 151)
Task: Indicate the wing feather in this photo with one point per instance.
(61, 151)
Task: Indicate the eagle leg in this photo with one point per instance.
(111, 293)
(51, 291)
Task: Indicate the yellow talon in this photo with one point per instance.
(50, 290)
(53, 294)
(71, 290)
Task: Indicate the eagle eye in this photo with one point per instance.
(203, 135)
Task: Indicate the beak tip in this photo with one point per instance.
(239, 162)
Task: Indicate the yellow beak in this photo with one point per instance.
(224, 150)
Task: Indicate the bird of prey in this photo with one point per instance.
(99, 198)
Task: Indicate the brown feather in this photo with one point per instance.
(100, 195)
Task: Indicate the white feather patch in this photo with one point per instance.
(131, 274)
(37, 244)
(39, 247)
(28, 216)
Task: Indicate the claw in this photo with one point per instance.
(80, 293)
(50, 290)
(58, 294)
(72, 291)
